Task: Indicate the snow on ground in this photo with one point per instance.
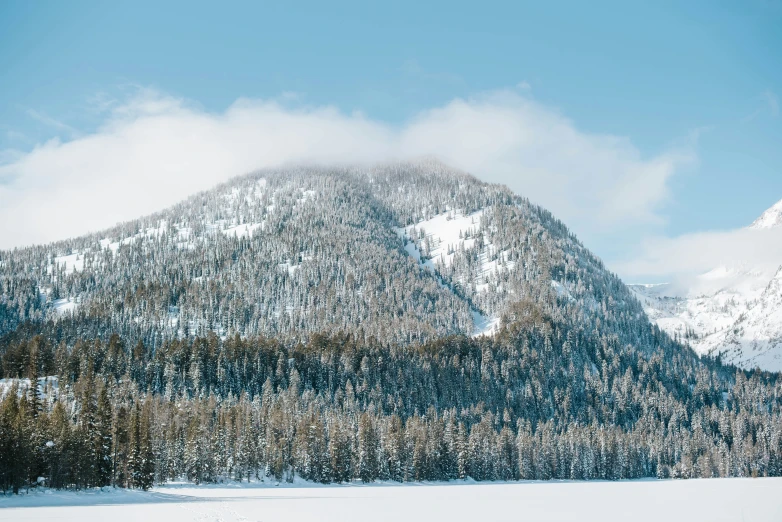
(47, 386)
(70, 263)
(484, 325)
(712, 500)
(706, 305)
(561, 290)
(64, 306)
(245, 229)
(445, 234)
(755, 339)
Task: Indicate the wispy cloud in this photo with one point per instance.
(101, 102)
(153, 150)
(768, 104)
(680, 259)
(15, 135)
(772, 101)
(47, 120)
(9, 156)
(413, 69)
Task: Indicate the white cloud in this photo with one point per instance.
(9, 156)
(594, 182)
(154, 150)
(681, 259)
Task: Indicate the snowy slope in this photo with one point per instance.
(444, 236)
(732, 311)
(770, 218)
(755, 338)
(404, 252)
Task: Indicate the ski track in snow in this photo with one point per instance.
(714, 500)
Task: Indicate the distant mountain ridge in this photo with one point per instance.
(771, 218)
(734, 312)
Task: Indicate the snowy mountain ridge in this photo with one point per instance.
(400, 252)
(731, 311)
(771, 218)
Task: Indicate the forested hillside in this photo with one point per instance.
(402, 322)
(401, 252)
(538, 402)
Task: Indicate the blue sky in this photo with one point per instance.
(701, 76)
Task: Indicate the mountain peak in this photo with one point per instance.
(404, 252)
(771, 218)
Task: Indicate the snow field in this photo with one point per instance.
(713, 500)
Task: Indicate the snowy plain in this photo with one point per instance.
(713, 500)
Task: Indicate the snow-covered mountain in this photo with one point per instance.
(317, 323)
(731, 311)
(399, 252)
(771, 218)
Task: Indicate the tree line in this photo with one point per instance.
(539, 401)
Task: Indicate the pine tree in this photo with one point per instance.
(120, 449)
(135, 459)
(103, 439)
(145, 475)
(368, 450)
